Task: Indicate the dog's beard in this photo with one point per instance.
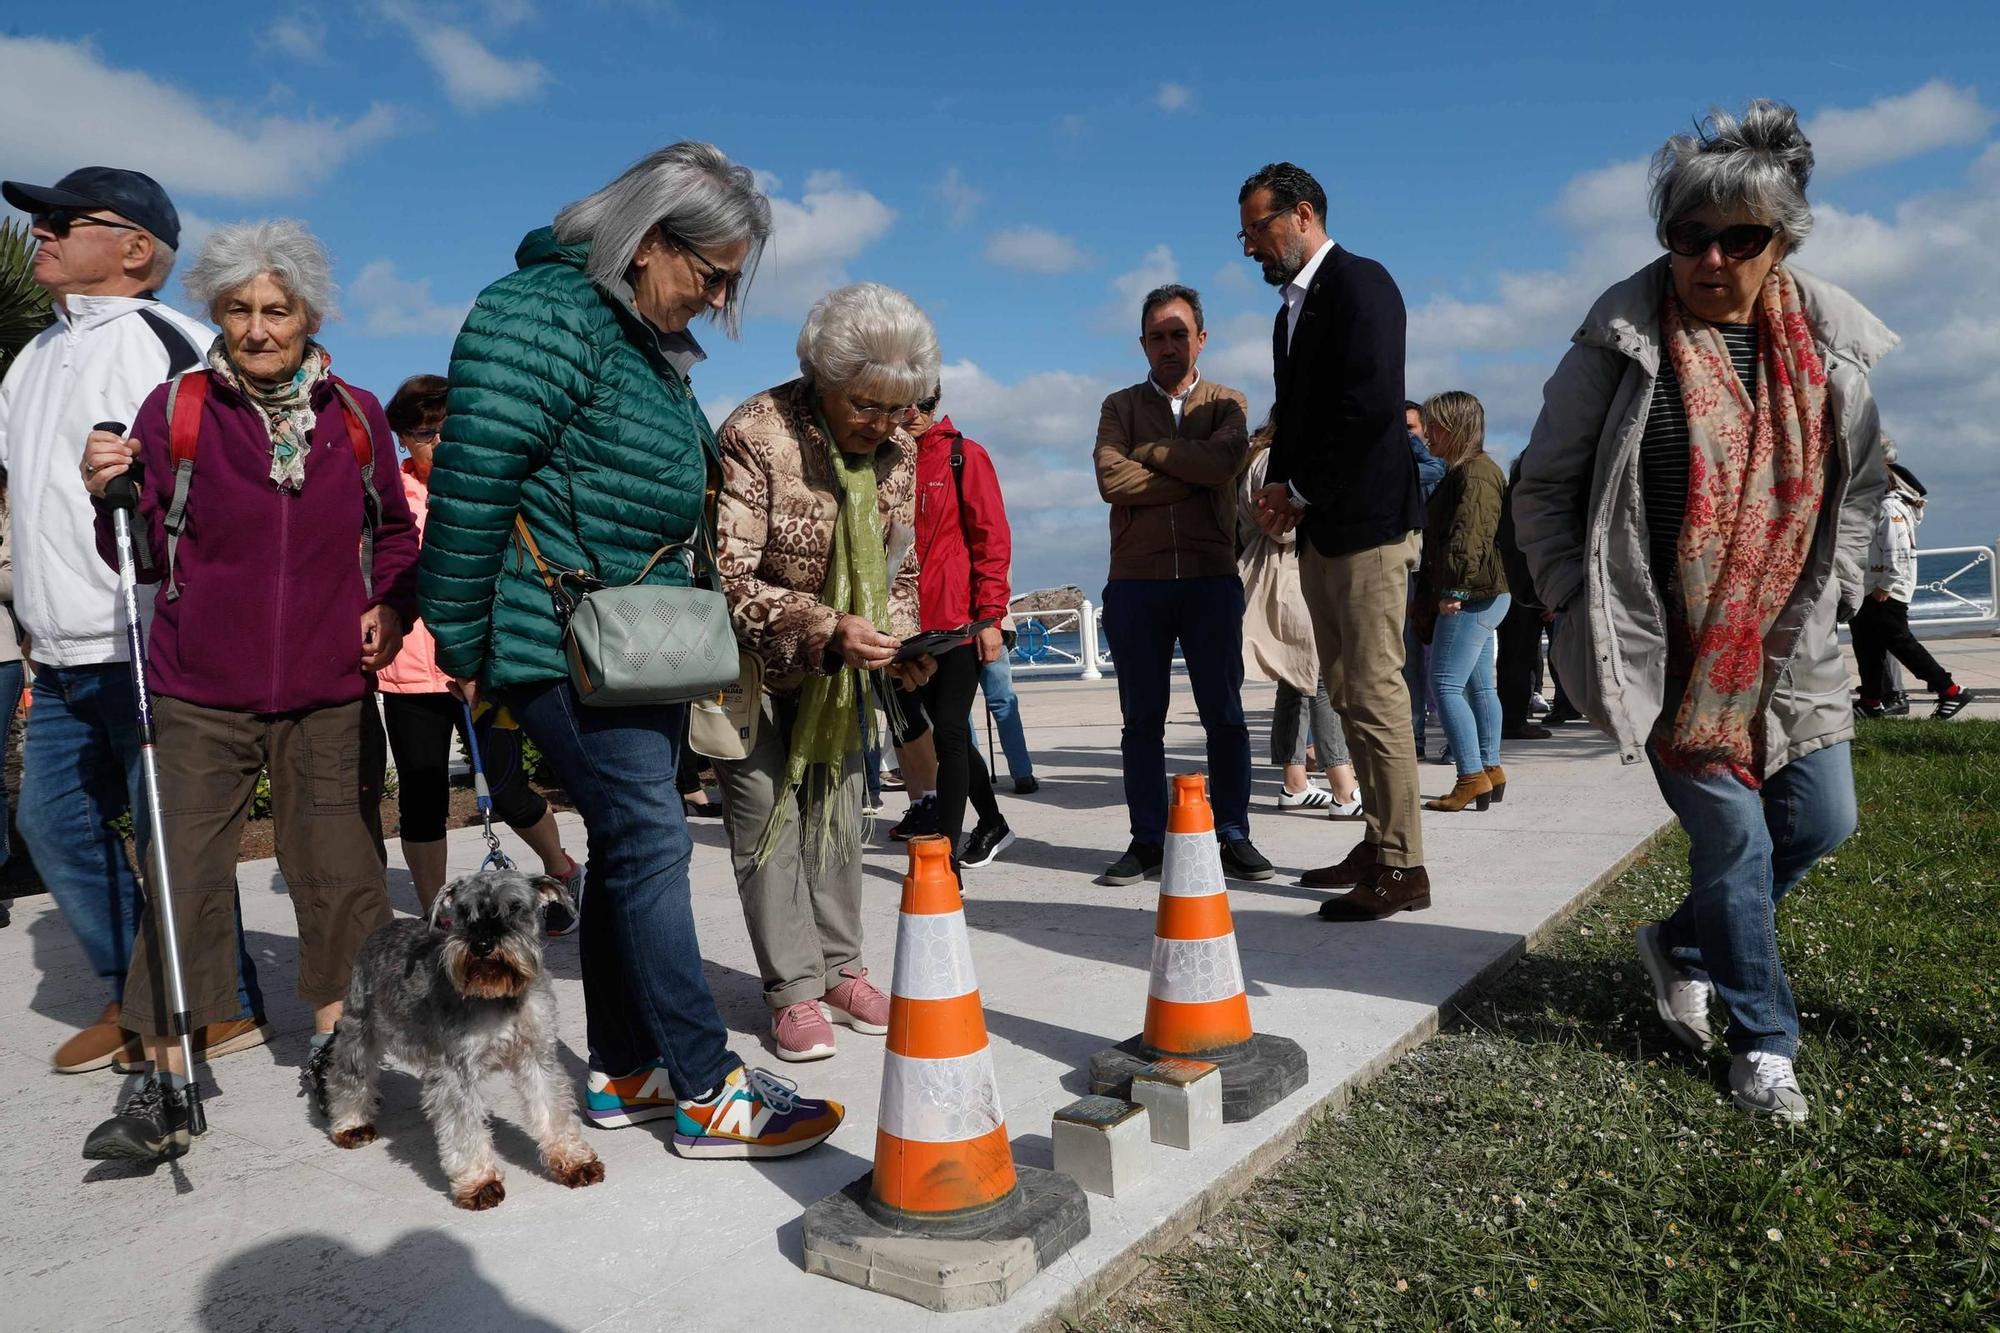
(500, 975)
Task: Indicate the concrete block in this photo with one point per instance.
(963, 1262)
(1183, 1100)
(1255, 1076)
(1102, 1143)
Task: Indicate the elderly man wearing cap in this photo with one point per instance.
(107, 239)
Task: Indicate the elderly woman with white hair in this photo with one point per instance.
(818, 519)
(1697, 500)
(286, 561)
(573, 444)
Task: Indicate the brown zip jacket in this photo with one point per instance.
(1172, 487)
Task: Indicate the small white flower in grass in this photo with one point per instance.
(1774, 1234)
(1402, 1284)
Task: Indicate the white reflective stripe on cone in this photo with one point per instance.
(933, 958)
(1192, 866)
(1196, 971)
(939, 1101)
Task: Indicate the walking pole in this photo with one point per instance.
(122, 495)
(496, 859)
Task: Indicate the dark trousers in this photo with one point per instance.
(1142, 619)
(1881, 629)
(1518, 665)
(421, 730)
(962, 774)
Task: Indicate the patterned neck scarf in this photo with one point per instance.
(1757, 475)
(287, 409)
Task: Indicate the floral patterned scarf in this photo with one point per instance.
(1757, 475)
(287, 409)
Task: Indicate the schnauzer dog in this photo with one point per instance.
(456, 997)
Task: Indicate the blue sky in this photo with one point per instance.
(1027, 171)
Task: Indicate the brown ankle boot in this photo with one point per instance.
(1471, 789)
(1498, 777)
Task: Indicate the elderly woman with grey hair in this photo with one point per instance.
(818, 515)
(286, 562)
(1696, 501)
(573, 452)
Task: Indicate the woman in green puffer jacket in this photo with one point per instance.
(570, 408)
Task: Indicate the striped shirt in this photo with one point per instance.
(1663, 452)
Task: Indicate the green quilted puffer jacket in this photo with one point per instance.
(562, 409)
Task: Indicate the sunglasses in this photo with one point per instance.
(1745, 240)
(714, 277)
(58, 221)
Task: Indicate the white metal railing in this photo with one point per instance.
(1966, 596)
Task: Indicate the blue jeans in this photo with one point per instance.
(645, 997)
(1746, 849)
(11, 676)
(1462, 676)
(1143, 618)
(996, 678)
(80, 771)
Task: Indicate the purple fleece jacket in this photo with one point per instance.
(269, 614)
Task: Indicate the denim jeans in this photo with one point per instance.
(1295, 717)
(645, 997)
(11, 676)
(1462, 676)
(80, 771)
(996, 679)
(1746, 850)
(1143, 618)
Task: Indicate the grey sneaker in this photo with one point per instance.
(1764, 1084)
(565, 911)
(1680, 996)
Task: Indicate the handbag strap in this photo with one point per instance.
(559, 599)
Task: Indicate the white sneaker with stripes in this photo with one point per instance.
(1314, 797)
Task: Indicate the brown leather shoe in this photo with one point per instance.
(1351, 871)
(1471, 789)
(94, 1047)
(1387, 891)
(210, 1040)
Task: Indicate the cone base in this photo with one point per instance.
(964, 1262)
(1255, 1076)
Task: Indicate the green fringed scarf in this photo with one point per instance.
(831, 719)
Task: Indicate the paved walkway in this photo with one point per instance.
(267, 1225)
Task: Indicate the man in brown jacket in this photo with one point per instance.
(1169, 450)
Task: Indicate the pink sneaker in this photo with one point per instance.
(801, 1032)
(858, 1004)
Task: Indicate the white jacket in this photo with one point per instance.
(97, 362)
(1892, 556)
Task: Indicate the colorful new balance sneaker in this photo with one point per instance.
(754, 1114)
(611, 1103)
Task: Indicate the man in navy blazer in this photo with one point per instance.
(1341, 472)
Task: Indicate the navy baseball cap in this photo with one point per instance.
(130, 194)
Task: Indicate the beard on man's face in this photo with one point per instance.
(1286, 266)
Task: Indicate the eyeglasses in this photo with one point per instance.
(865, 411)
(715, 277)
(1745, 240)
(429, 435)
(1258, 227)
(927, 407)
(58, 221)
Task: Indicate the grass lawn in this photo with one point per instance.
(1553, 1160)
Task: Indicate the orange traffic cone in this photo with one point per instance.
(933, 1221)
(1195, 1002)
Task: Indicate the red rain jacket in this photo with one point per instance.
(963, 556)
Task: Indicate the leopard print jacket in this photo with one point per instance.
(775, 531)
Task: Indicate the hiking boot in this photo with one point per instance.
(210, 1040)
(613, 1103)
(1141, 861)
(856, 1003)
(1027, 786)
(1951, 704)
(918, 821)
(801, 1032)
(1351, 870)
(983, 848)
(155, 1125)
(754, 1114)
(565, 911)
(1242, 860)
(1681, 996)
(1314, 797)
(94, 1047)
(1765, 1084)
(1387, 891)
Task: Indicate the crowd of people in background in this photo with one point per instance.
(335, 583)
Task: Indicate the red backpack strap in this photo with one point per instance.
(186, 396)
(363, 441)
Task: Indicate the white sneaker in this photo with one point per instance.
(1337, 809)
(1681, 996)
(1764, 1084)
(1537, 704)
(1314, 797)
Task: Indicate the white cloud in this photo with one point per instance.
(392, 306)
(474, 76)
(1937, 115)
(1173, 97)
(1120, 315)
(812, 241)
(1035, 250)
(961, 200)
(186, 144)
(508, 13)
(300, 35)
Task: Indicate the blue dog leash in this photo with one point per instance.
(496, 859)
